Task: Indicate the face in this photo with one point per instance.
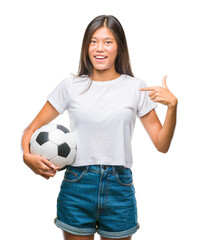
(103, 50)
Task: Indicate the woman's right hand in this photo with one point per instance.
(40, 165)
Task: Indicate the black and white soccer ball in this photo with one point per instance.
(56, 143)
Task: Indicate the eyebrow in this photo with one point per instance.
(104, 38)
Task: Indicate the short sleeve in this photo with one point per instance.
(145, 104)
(59, 97)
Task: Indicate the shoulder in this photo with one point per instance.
(69, 81)
(77, 79)
(135, 81)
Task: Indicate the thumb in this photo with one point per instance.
(164, 85)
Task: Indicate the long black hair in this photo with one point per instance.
(122, 62)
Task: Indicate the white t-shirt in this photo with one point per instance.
(102, 119)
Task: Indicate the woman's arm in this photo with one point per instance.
(161, 135)
(39, 164)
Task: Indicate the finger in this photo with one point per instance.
(49, 169)
(153, 97)
(48, 163)
(148, 89)
(164, 84)
(48, 173)
(151, 93)
(57, 168)
(42, 175)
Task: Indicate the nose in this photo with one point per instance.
(100, 47)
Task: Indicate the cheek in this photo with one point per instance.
(91, 49)
(113, 53)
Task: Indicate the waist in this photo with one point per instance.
(100, 168)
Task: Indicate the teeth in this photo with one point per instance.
(100, 57)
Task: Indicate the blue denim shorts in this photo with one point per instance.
(97, 198)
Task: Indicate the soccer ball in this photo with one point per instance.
(56, 143)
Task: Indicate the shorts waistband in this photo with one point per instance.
(102, 168)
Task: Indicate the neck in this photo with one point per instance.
(103, 75)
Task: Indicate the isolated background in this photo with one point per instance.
(40, 46)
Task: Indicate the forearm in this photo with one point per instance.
(165, 135)
(45, 116)
(26, 139)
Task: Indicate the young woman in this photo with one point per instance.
(97, 193)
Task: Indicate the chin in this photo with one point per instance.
(101, 69)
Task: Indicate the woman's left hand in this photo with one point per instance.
(161, 94)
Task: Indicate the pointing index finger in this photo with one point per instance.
(147, 89)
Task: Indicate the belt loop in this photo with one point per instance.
(87, 168)
(114, 171)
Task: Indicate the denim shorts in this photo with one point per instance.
(97, 198)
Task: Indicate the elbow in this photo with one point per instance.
(162, 149)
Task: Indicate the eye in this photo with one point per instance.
(93, 41)
(108, 42)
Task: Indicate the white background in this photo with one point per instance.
(39, 46)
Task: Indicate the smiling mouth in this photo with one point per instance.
(100, 58)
